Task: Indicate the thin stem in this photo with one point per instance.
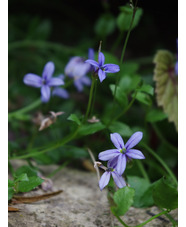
(121, 221)
(143, 171)
(161, 161)
(25, 109)
(174, 223)
(90, 98)
(58, 169)
(94, 98)
(150, 219)
(124, 49)
(160, 135)
(63, 141)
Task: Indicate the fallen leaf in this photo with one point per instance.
(12, 209)
(32, 199)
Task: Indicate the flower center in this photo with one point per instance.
(44, 82)
(123, 150)
(110, 169)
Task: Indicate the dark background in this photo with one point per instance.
(72, 22)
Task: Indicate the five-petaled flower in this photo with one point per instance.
(111, 171)
(101, 69)
(44, 82)
(122, 152)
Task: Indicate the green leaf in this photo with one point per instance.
(143, 196)
(155, 115)
(129, 83)
(147, 89)
(129, 68)
(166, 84)
(10, 193)
(22, 177)
(165, 195)
(71, 152)
(123, 199)
(91, 128)
(26, 186)
(121, 128)
(73, 117)
(26, 169)
(125, 17)
(10, 183)
(143, 98)
(120, 95)
(105, 25)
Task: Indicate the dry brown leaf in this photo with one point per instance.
(32, 199)
(12, 209)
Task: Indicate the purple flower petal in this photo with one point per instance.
(86, 80)
(48, 70)
(111, 68)
(104, 180)
(101, 59)
(92, 62)
(69, 68)
(91, 53)
(120, 182)
(122, 161)
(52, 82)
(117, 140)
(133, 140)
(32, 80)
(78, 84)
(112, 163)
(101, 74)
(45, 93)
(62, 93)
(108, 154)
(80, 69)
(136, 154)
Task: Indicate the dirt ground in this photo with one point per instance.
(81, 204)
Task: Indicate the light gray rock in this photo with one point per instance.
(81, 204)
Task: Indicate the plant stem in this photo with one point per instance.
(58, 169)
(90, 98)
(142, 169)
(24, 109)
(150, 219)
(174, 223)
(63, 141)
(160, 135)
(121, 221)
(161, 161)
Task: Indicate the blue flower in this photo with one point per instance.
(60, 92)
(122, 152)
(111, 171)
(102, 68)
(77, 70)
(45, 82)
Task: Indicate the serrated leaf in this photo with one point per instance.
(121, 128)
(123, 199)
(26, 186)
(125, 17)
(21, 177)
(165, 195)
(166, 84)
(73, 117)
(26, 169)
(155, 115)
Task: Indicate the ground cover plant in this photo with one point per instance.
(69, 103)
